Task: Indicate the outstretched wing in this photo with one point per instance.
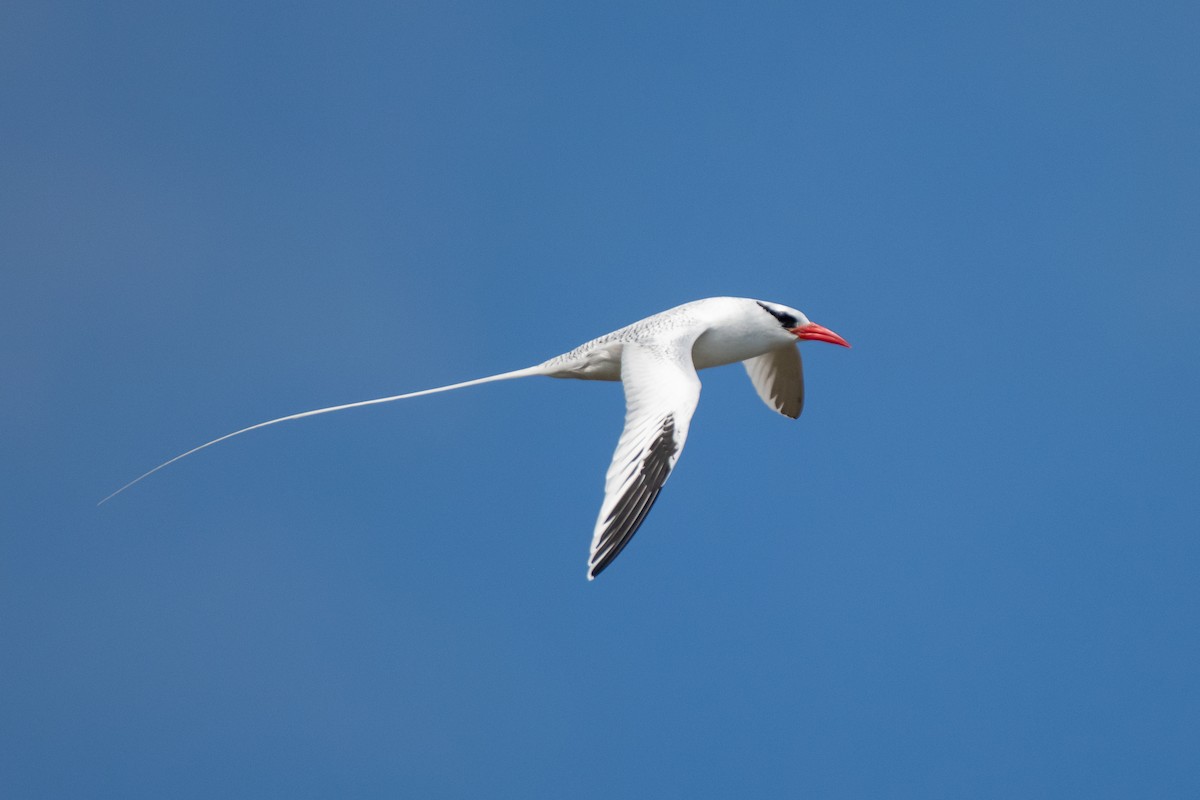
(778, 376)
(661, 392)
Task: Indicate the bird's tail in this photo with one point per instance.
(503, 376)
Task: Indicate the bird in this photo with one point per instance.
(656, 360)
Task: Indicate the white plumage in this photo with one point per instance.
(656, 360)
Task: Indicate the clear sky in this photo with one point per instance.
(969, 570)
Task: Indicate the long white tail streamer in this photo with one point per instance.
(504, 376)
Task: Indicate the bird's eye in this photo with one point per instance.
(785, 319)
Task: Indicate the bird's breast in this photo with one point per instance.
(726, 345)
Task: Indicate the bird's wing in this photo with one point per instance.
(778, 377)
(661, 392)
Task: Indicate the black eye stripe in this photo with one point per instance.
(785, 319)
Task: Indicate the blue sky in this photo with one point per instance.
(969, 570)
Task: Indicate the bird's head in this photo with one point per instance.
(795, 323)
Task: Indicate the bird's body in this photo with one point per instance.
(656, 359)
(720, 331)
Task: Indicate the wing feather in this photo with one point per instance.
(778, 377)
(661, 392)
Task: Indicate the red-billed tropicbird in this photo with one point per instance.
(656, 359)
